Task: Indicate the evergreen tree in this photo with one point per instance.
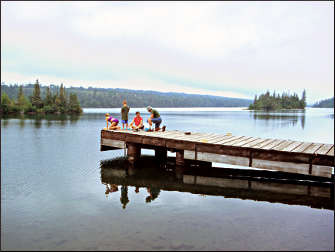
(327, 103)
(303, 99)
(62, 99)
(21, 101)
(36, 98)
(275, 102)
(5, 103)
(48, 98)
(58, 104)
(74, 106)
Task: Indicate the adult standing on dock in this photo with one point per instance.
(155, 118)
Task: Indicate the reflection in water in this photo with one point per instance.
(285, 118)
(4, 122)
(124, 196)
(110, 189)
(73, 118)
(38, 122)
(22, 122)
(37, 119)
(153, 193)
(231, 183)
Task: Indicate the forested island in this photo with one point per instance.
(113, 97)
(55, 101)
(276, 102)
(327, 103)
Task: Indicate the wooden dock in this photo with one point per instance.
(316, 159)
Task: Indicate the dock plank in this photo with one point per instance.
(230, 143)
(192, 138)
(257, 141)
(170, 134)
(206, 138)
(282, 145)
(272, 144)
(261, 144)
(324, 149)
(220, 139)
(313, 148)
(252, 139)
(229, 140)
(291, 146)
(301, 147)
(331, 152)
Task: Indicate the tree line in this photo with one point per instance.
(327, 103)
(275, 101)
(113, 97)
(56, 101)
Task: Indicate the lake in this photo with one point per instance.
(59, 192)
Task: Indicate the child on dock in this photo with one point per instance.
(124, 114)
(114, 122)
(138, 121)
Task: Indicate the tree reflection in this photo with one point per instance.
(4, 122)
(285, 118)
(22, 123)
(36, 119)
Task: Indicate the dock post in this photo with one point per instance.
(179, 171)
(134, 152)
(161, 154)
(180, 158)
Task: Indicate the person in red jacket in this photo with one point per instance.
(137, 122)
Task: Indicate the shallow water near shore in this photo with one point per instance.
(54, 181)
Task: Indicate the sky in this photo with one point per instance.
(232, 49)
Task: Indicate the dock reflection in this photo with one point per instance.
(274, 187)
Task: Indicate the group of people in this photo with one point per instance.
(137, 123)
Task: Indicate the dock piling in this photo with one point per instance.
(161, 154)
(180, 158)
(134, 152)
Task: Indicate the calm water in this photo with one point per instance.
(55, 182)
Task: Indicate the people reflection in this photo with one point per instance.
(110, 189)
(153, 194)
(124, 196)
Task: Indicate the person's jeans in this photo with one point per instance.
(157, 121)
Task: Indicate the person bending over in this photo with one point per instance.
(114, 122)
(155, 118)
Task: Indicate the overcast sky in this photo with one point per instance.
(234, 49)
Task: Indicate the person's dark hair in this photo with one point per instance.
(137, 112)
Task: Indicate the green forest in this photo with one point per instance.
(276, 102)
(17, 99)
(113, 97)
(327, 103)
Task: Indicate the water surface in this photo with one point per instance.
(53, 189)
